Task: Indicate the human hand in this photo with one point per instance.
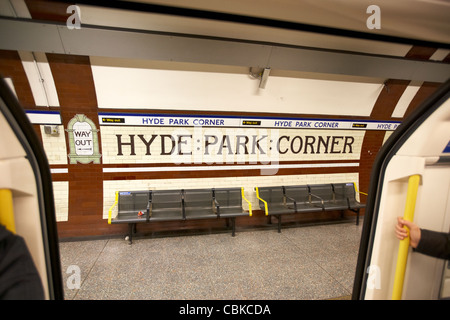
(402, 233)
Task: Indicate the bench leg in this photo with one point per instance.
(131, 228)
(279, 223)
(269, 219)
(357, 215)
(233, 226)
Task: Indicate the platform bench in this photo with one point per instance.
(170, 205)
(132, 207)
(229, 205)
(280, 200)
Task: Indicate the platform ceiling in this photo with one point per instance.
(326, 24)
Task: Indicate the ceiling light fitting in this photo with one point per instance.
(262, 74)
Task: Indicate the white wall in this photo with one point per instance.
(139, 85)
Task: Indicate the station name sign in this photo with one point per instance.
(108, 119)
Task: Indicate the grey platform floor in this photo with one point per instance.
(300, 263)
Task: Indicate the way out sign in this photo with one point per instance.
(83, 140)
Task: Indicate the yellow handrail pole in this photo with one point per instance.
(7, 210)
(265, 203)
(110, 209)
(356, 189)
(249, 203)
(411, 196)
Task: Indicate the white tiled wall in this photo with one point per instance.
(387, 135)
(55, 146)
(249, 183)
(61, 197)
(55, 149)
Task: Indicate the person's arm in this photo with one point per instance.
(432, 243)
(435, 244)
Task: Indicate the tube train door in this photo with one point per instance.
(410, 178)
(29, 252)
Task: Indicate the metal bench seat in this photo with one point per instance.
(132, 206)
(166, 205)
(199, 204)
(171, 205)
(211, 203)
(166, 215)
(277, 201)
(130, 217)
(274, 201)
(301, 196)
(229, 205)
(348, 191)
(228, 202)
(330, 196)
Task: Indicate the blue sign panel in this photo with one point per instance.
(447, 148)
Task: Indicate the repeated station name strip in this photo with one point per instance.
(122, 119)
(209, 121)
